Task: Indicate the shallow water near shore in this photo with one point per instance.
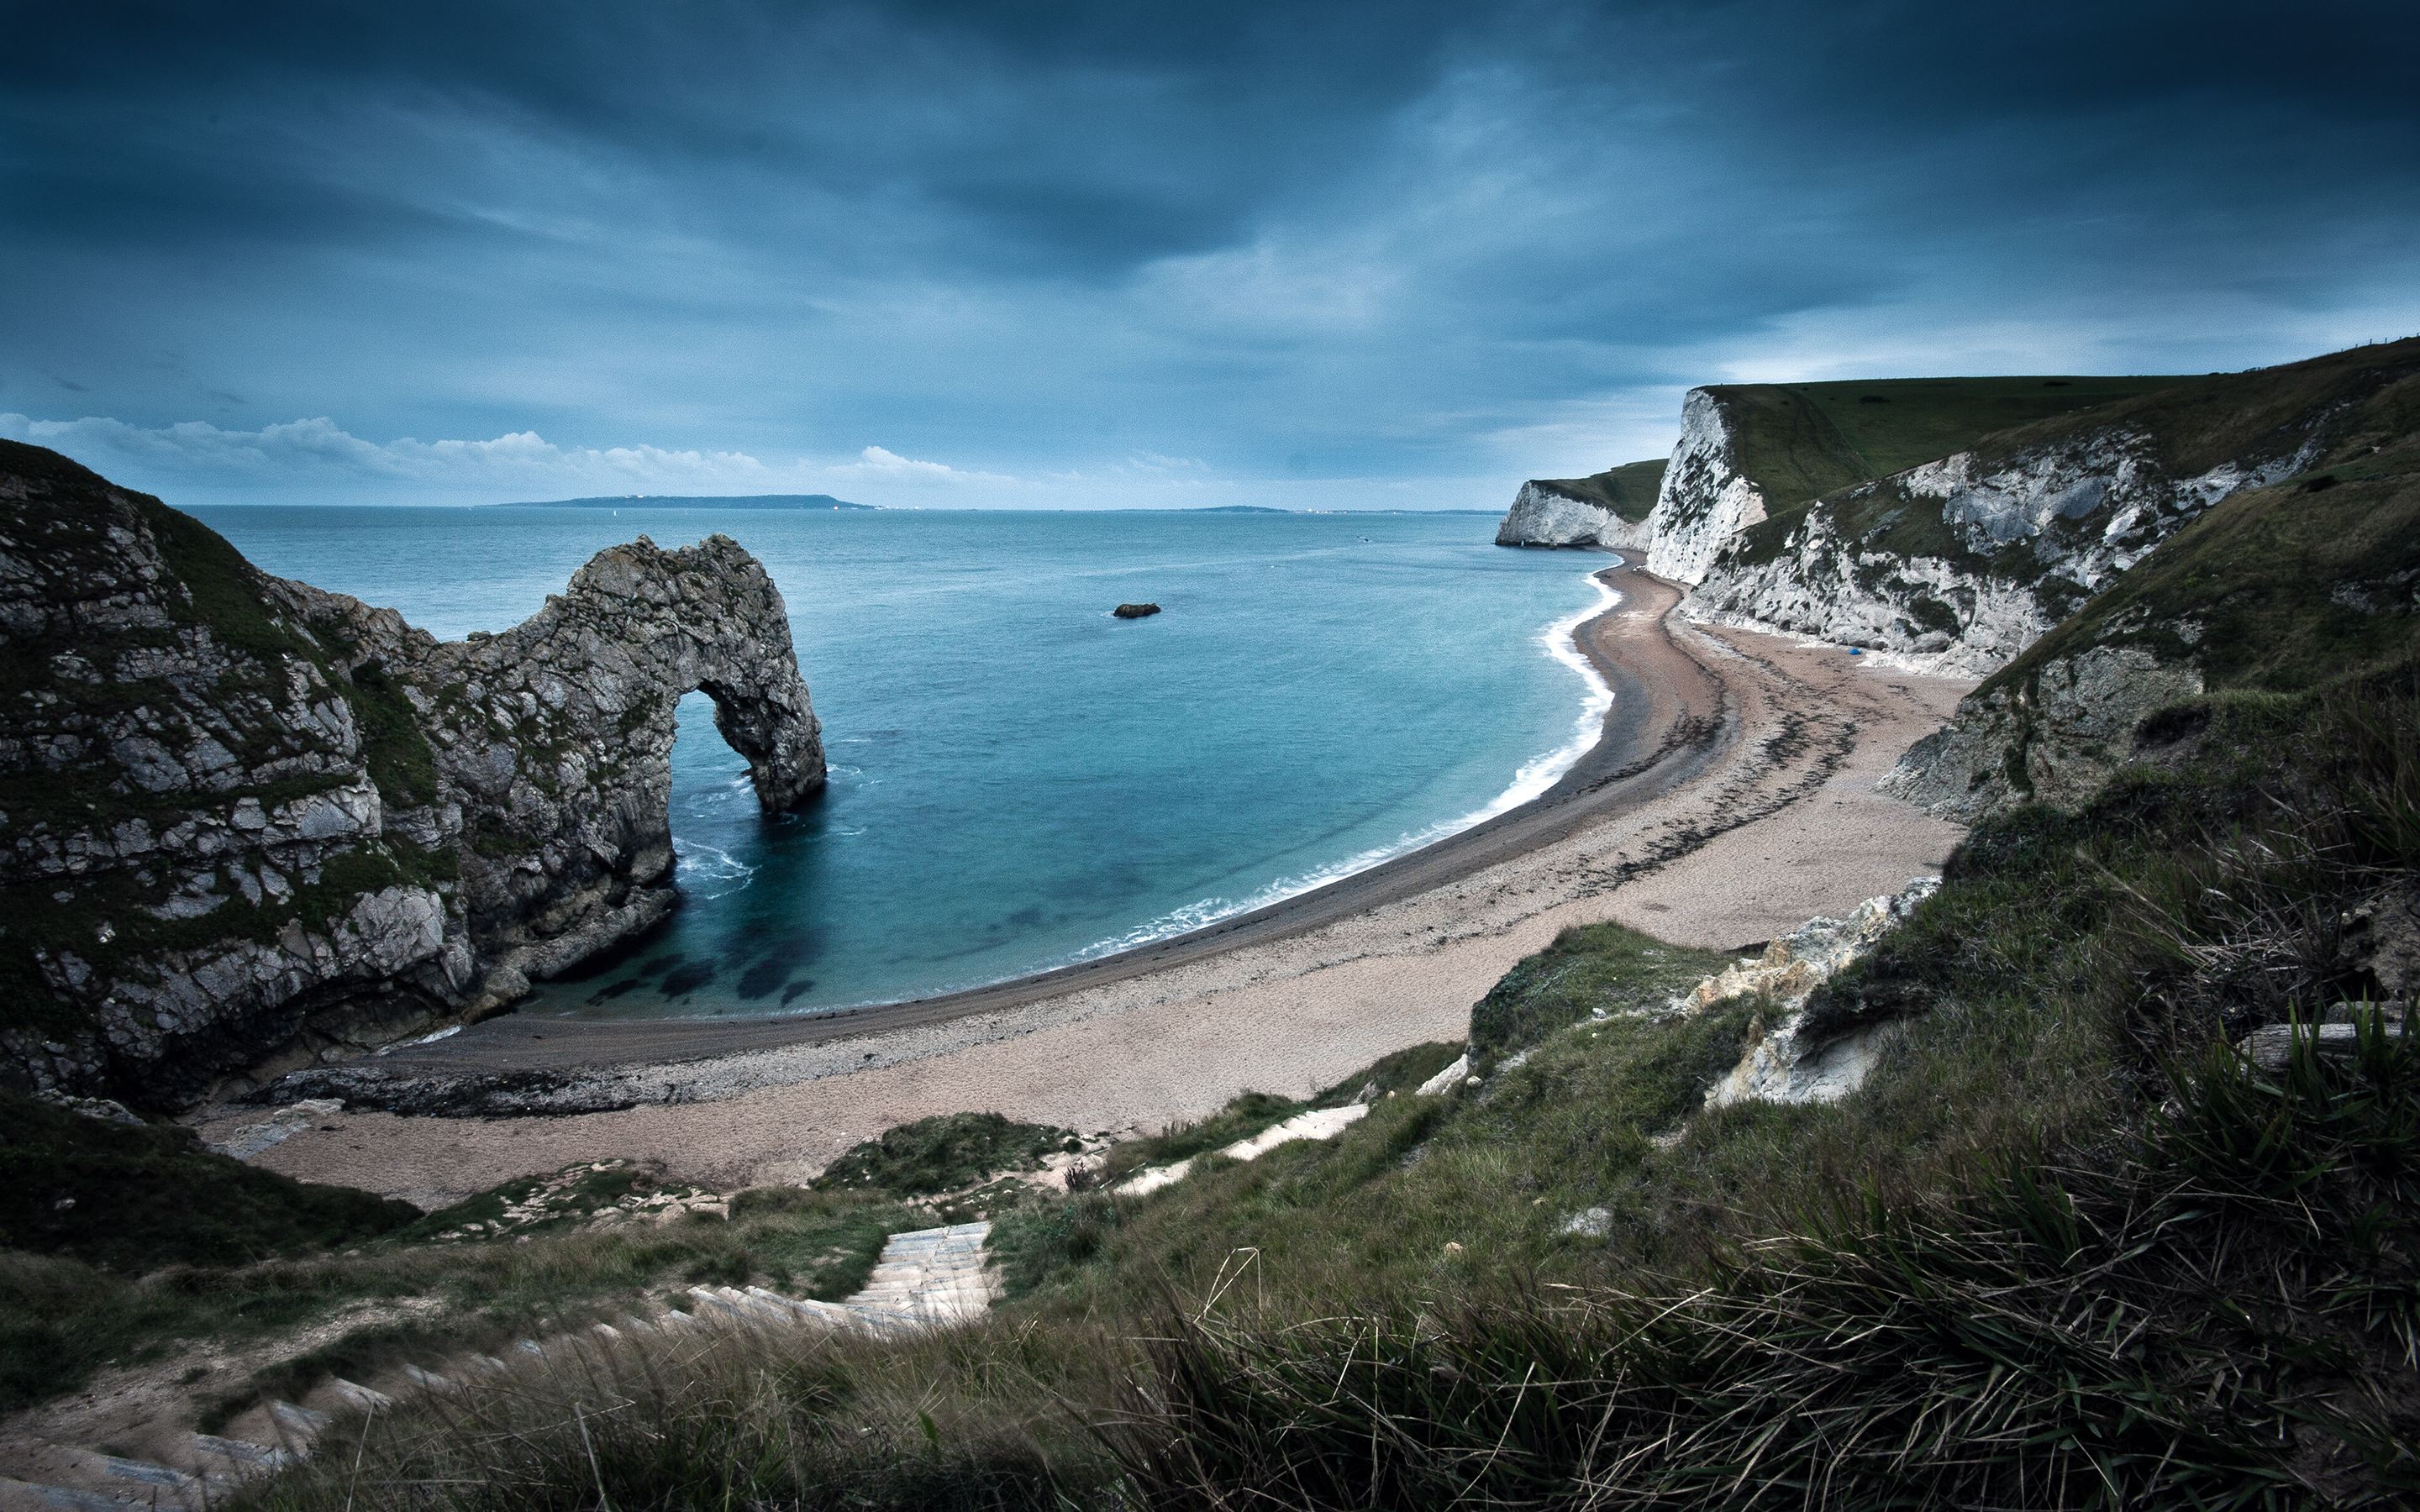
(1019, 780)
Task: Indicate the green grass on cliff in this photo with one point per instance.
(1799, 440)
(162, 1244)
(2063, 1249)
(1628, 490)
(2280, 587)
(1801, 436)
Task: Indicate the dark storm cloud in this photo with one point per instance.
(1390, 240)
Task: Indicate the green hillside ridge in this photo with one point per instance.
(2267, 592)
(1799, 440)
(2062, 1248)
(1628, 490)
(2195, 427)
(2278, 586)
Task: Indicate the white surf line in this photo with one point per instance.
(1319, 1123)
(1560, 641)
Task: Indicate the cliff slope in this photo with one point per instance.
(1749, 451)
(1604, 509)
(2275, 590)
(245, 824)
(1973, 557)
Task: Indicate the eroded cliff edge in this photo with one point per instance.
(246, 824)
(1606, 511)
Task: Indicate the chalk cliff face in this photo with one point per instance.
(245, 824)
(1706, 496)
(2022, 537)
(2275, 589)
(1974, 557)
(1544, 513)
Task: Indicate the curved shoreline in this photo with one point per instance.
(1732, 800)
(1665, 724)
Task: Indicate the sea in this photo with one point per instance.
(1019, 780)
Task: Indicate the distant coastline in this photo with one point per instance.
(655, 501)
(825, 501)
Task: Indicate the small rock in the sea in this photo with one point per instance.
(1135, 611)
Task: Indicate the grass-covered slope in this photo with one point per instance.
(2278, 586)
(131, 1197)
(2195, 425)
(2063, 1249)
(2270, 590)
(1798, 440)
(1628, 490)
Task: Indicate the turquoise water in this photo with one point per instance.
(1019, 780)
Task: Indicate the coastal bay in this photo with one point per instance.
(1729, 798)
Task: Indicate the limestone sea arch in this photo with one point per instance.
(247, 823)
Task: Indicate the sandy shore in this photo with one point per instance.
(1731, 799)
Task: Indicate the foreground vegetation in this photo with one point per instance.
(2065, 1248)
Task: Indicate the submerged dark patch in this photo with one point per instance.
(780, 962)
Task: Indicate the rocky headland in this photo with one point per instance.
(2099, 549)
(1606, 511)
(247, 824)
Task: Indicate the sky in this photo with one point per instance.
(1012, 255)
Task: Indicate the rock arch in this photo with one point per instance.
(252, 825)
(551, 742)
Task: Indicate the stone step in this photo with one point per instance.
(2271, 1048)
(143, 1471)
(238, 1451)
(361, 1395)
(73, 1499)
(300, 1420)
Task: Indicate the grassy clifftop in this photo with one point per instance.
(2283, 586)
(1798, 440)
(1628, 490)
(2063, 1249)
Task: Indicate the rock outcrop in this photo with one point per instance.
(1970, 559)
(1707, 496)
(2053, 738)
(1794, 1060)
(2275, 589)
(1548, 514)
(246, 824)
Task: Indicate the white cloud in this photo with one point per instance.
(1154, 462)
(320, 452)
(876, 462)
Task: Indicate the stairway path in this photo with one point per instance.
(926, 1278)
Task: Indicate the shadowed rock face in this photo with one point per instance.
(246, 824)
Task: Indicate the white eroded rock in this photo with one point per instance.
(1319, 1123)
(1445, 1080)
(1786, 1064)
(2022, 535)
(1704, 497)
(1546, 515)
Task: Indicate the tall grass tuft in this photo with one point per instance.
(744, 1419)
(2218, 1315)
